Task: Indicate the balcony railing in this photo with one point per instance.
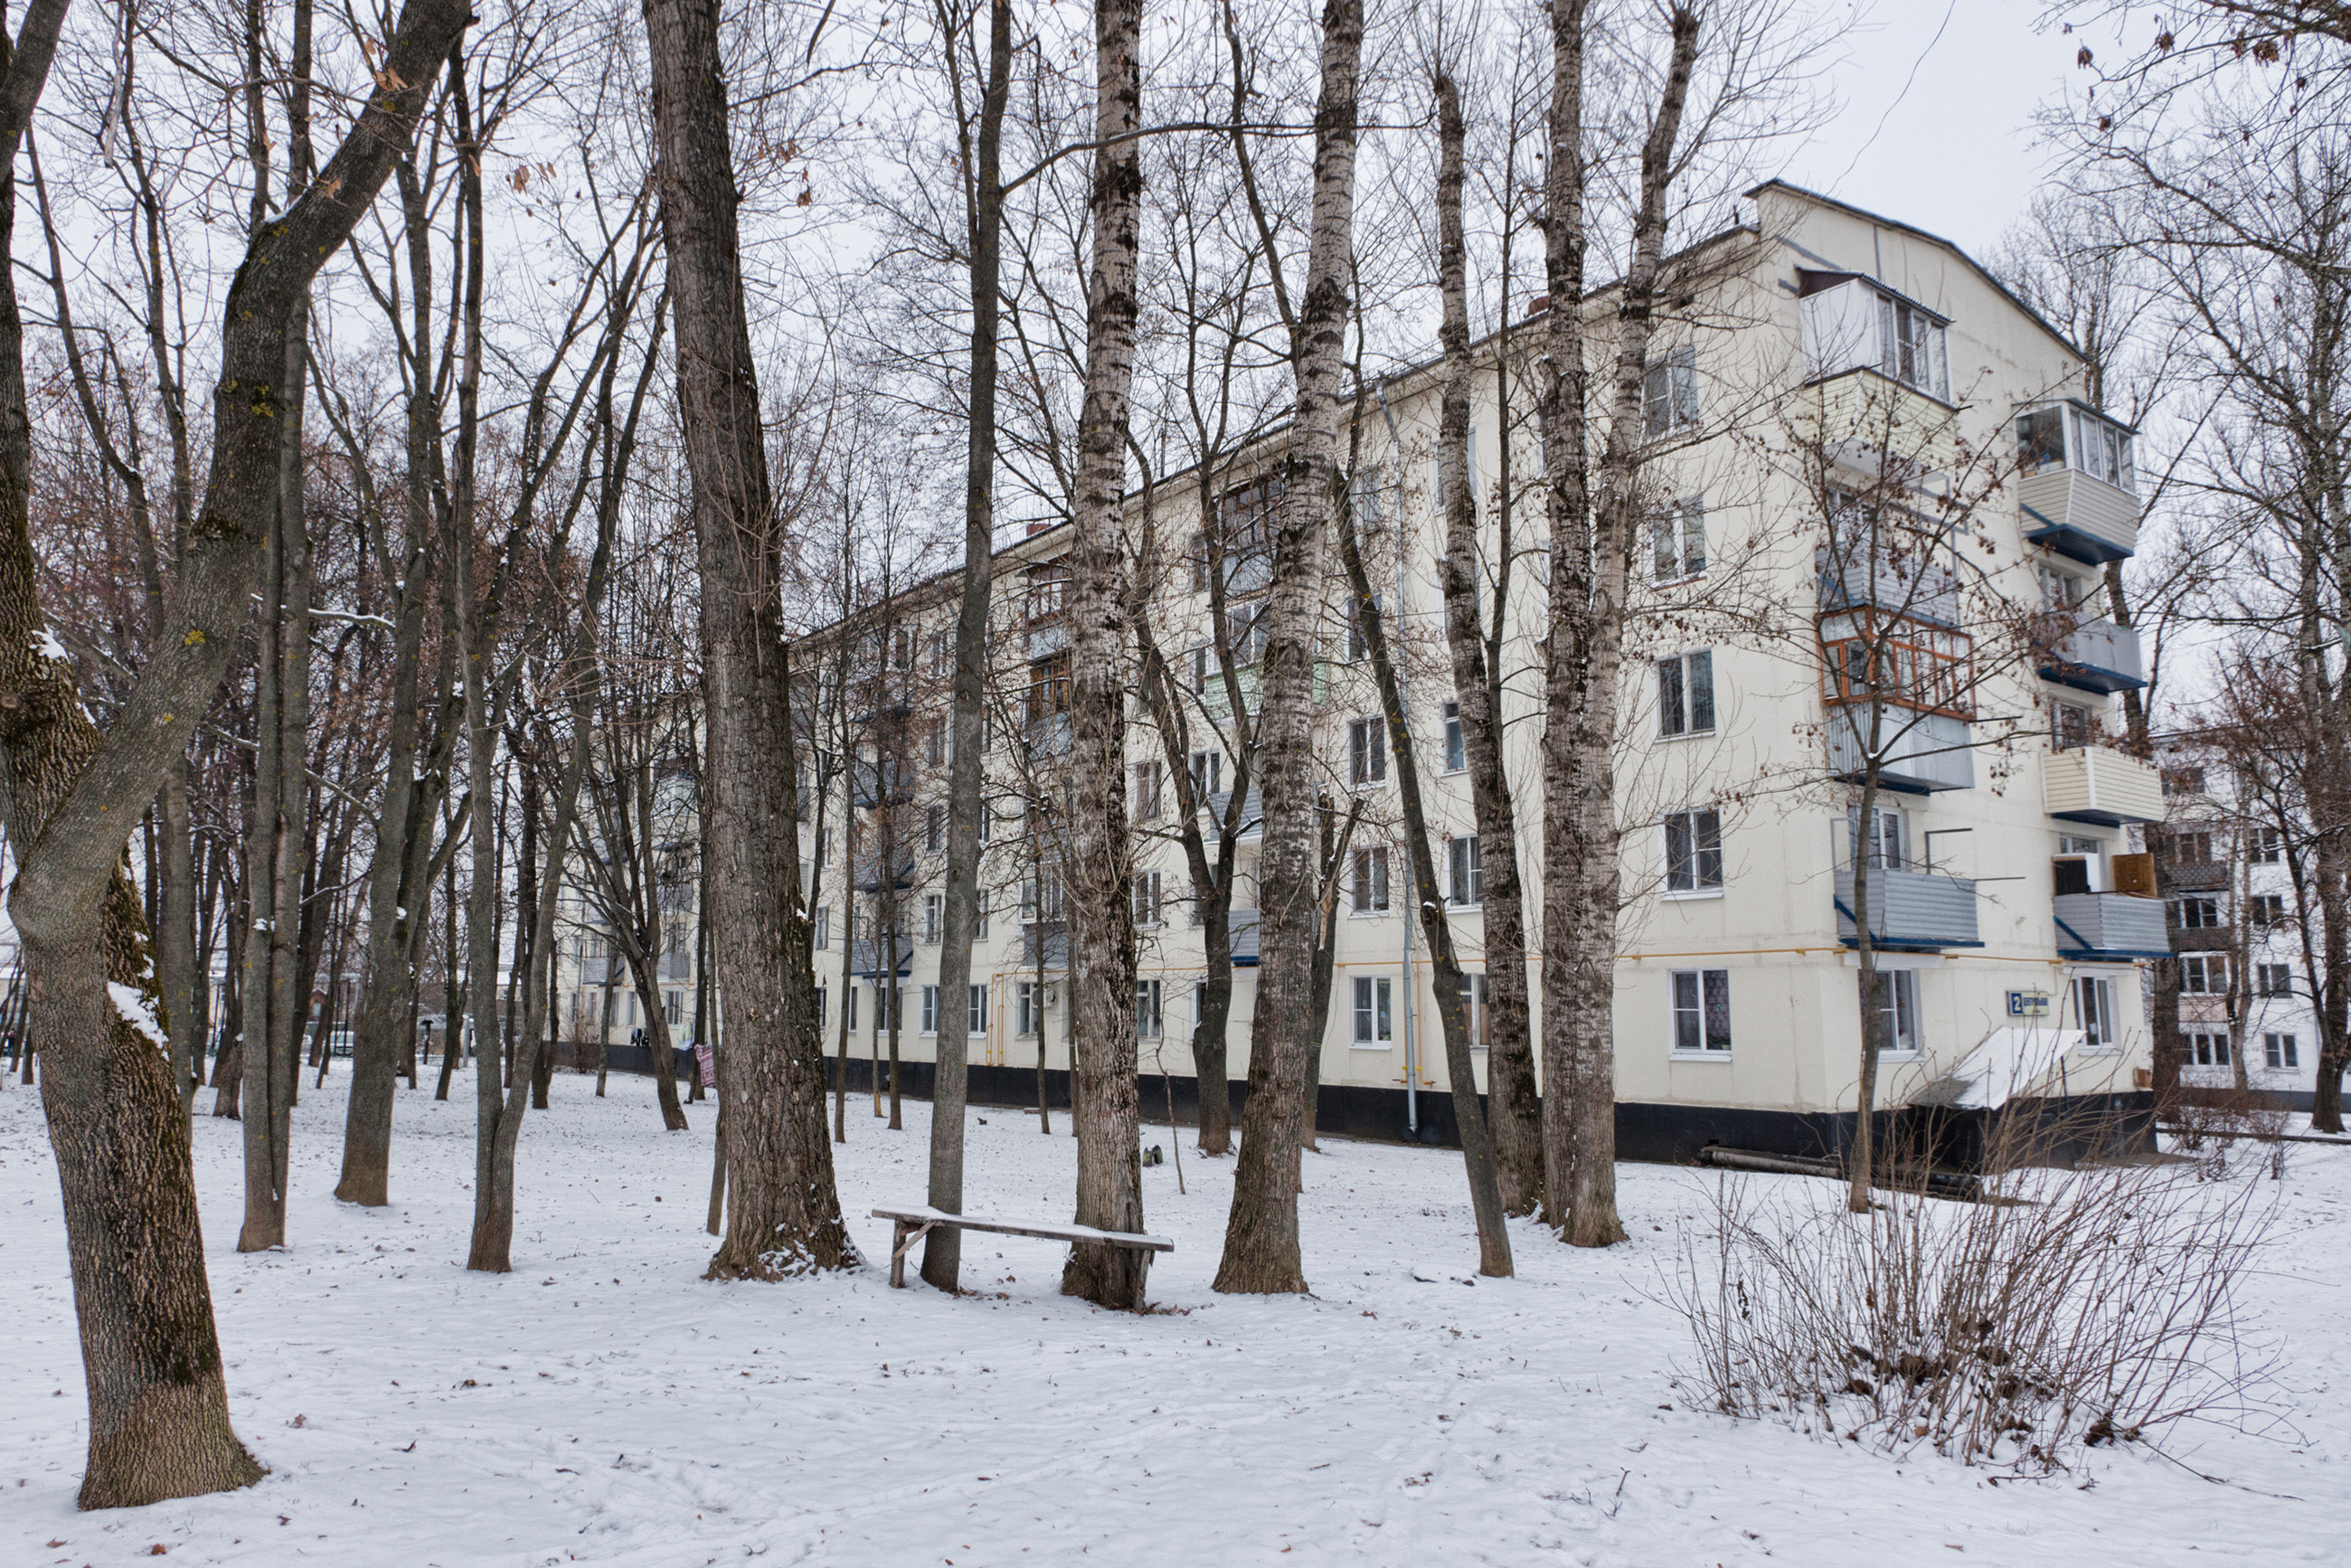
(2110, 925)
(1911, 911)
(1243, 926)
(2079, 516)
(2098, 784)
(2088, 655)
(1923, 752)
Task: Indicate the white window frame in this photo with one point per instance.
(2203, 974)
(1669, 394)
(1146, 791)
(934, 910)
(975, 1012)
(1474, 1009)
(1900, 989)
(1465, 865)
(1367, 880)
(1456, 740)
(1208, 777)
(934, 828)
(2094, 1013)
(1678, 541)
(1681, 679)
(1692, 996)
(2281, 1052)
(2273, 979)
(930, 1011)
(1028, 1010)
(1149, 1023)
(1697, 872)
(821, 927)
(1373, 1013)
(1367, 752)
(1146, 896)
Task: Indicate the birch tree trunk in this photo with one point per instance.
(1509, 1061)
(1261, 1250)
(783, 1213)
(1105, 1114)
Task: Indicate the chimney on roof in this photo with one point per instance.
(1539, 304)
(1036, 528)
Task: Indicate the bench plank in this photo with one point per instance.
(920, 1220)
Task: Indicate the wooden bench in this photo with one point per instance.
(911, 1225)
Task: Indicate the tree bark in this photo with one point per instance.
(1106, 1113)
(950, 1093)
(159, 1423)
(1261, 1250)
(786, 1214)
(1510, 1058)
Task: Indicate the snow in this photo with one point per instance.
(603, 1405)
(46, 645)
(131, 1003)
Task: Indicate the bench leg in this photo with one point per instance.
(899, 1244)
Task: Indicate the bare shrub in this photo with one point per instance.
(2207, 1124)
(2069, 1308)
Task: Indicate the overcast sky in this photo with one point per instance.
(1950, 152)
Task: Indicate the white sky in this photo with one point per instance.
(1954, 154)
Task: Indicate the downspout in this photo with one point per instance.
(1411, 1055)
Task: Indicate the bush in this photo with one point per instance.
(2067, 1310)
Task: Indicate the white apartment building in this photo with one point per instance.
(2011, 915)
(2248, 1013)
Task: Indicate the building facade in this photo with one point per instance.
(1824, 363)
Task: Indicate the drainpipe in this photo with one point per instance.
(1412, 912)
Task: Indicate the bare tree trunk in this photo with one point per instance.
(1510, 1059)
(950, 1091)
(1107, 1115)
(158, 1422)
(1428, 908)
(786, 1213)
(1261, 1250)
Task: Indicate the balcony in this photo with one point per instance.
(2198, 876)
(867, 955)
(2089, 655)
(865, 873)
(2098, 784)
(1047, 938)
(1243, 926)
(1252, 823)
(1912, 911)
(2078, 516)
(2109, 926)
(1925, 752)
(1855, 576)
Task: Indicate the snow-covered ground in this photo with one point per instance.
(603, 1405)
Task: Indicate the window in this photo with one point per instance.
(2186, 849)
(975, 1022)
(851, 1020)
(2062, 590)
(1244, 634)
(2102, 449)
(2075, 725)
(1457, 743)
(1027, 1014)
(821, 927)
(2094, 1001)
(1701, 1000)
(1669, 394)
(942, 653)
(2203, 975)
(1913, 344)
(2280, 1050)
(2273, 980)
(934, 743)
(934, 908)
(901, 648)
(673, 1008)
(1465, 868)
(1372, 1031)
(1371, 880)
(2183, 781)
(934, 828)
(1146, 1010)
(2266, 910)
(1199, 557)
(1208, 775)
(1678, 540)
(2208, 1049)
(1146, 898)
(1686, 693)
(1694, 851)
(2041, 441)
(1359, 641)
(1146, 791)
(2197, 914)
(1367, 750)
(1040, 897)
(979, 917)
(930, 1009)
(1888, 840)
(2267, 848)
(1473, 1009)
(820, 1001)
(1898, 1011)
